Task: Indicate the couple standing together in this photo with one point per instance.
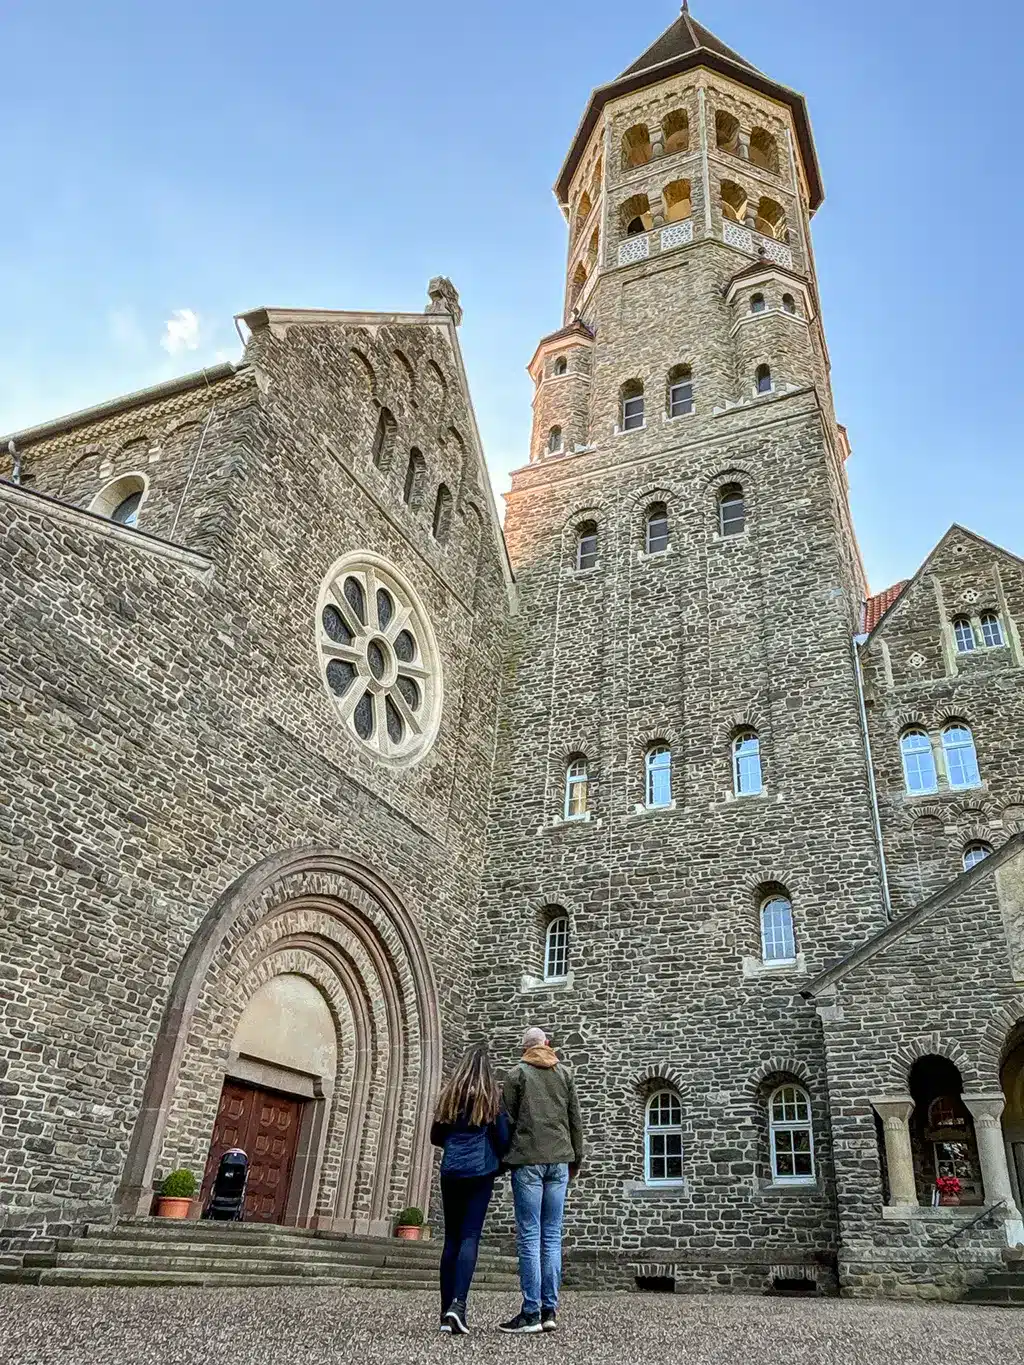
(530, 1126)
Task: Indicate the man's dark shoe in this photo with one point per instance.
(521, 1324)
(548, 1321)
(445, 1324)
(456, 1319)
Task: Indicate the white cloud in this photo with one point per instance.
(181, 332)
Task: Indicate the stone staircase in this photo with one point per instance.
(1003, 1287)
(241, 1255)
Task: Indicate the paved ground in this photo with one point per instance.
(338, 1326)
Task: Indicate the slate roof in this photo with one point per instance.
(685, 35)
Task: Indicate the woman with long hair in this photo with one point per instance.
(472, 1128)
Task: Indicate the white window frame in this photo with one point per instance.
(952, 747)
(801, 1125)
(665, 1130)
(556, 949)
(652, 768)
(731, 501)
(916, 732)
(631, 417)
(976, 852)
(992, 625)
(964, 636)
(649, 521)
(581, 536)
(789, 932)
(680, 398)
(738, 759)
(577, 774)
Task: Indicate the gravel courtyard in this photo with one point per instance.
(315, 1326)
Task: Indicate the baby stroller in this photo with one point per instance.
(228, 1195)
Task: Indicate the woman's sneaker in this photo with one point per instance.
(445, 1324)
(548, 1321)
(521, 1323)
(456, 1318)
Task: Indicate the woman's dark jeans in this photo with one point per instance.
(465, 1204)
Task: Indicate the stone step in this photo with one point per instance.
(1004, 1279)
(81, 1278)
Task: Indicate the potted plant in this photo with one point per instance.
(409, 1225)
(948, 1187)
(176, 1195)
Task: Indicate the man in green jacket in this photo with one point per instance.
(546, 1151)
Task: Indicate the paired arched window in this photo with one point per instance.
(561, 365)
(746, 764)
(554, 440)
(663, 1139)
(789, 303)
(919, 772)
(976, 853)
(636, 146)
(778, 942)
(963, 634)
(678, 200)
(656, 528)
(121, 499)
(442, 513)
(586, 545)
(556, 949)
(764, 151)
(961, 757)
(791, 1136)
(658, 775)
(680, 391)
(635, 215)
(727, 132)
(770, 220)
(757, 303)
(676, 129)
(732, 510)
(631, 406)
(415, 472)
(577, 788)
(763, 379)
(734, 201)
(992, 630)
(383, 439)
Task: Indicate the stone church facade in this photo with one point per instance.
(315, 773)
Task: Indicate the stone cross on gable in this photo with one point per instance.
(444, 298)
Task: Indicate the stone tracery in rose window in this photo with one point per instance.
(378, 658)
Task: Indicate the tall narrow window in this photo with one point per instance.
(976, 853)
(554, 440)
(918, 762)
(631, 403)
(792, 1137)
(442, 513)
(656, 537)
(561, 365)
(586, 545)
(658, 775)
(663, 1139)
(778, 943)
(961, 758)
(732, 510)
(556, 949)
(963, 634)
(763, 379)
(992, 630)
(680, 391)
(789, 303)
(415, 470)
(577, 789)
(746, 764)
(383, 439)
(757, 303)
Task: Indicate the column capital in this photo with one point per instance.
(893, 1110)
(986, 1110)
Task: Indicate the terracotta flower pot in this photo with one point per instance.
(408, 1233)
(173, 1208)
(950, 1199)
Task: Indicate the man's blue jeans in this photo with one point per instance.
(539, 1196)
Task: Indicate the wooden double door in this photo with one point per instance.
(265, 1125)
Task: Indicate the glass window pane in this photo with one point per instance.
(777, 931)
(961, 759)
(963, 633)
(747, 765)
(918, 762)
(991, 630)
(732, 515)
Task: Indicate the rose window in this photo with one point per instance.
(379, 658)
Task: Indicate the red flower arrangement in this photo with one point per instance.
(948, 1186)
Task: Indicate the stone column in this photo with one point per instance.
(743, 145)
(895, 1115)
(986, 1110)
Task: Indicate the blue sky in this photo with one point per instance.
(179, 164)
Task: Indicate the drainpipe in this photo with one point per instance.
(192, 470)
(855, 644)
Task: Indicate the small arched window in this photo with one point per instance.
(734, 202)
(121, 499)
(582, 212)
(636, 146)
(757, 303)
(126, 513)
(918, 762)
(415, 470)
(746, 764)
(579, 279)
(976, 853)
(680, 391)
(656, 528)
(663, 1139)
(778, 943)
(763, 379)
(561, 365)
(992, 630)
(554, 440)
(676, 129)
(442, 513)
(789, 303)
(593, 250)
(770, 220)
(383, 439)
(556, 949)
(732, 510)
(792, 1136)
(963, 634)
(577, 789)
(764, 151)
(727, 132)
(961, 758)
(658, 775)
(586, 545)
(635, 215)
(631, 406)
(678, 200)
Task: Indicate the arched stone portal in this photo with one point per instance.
(306, 937)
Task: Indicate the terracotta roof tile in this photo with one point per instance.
(876, 607)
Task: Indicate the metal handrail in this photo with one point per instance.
(985, 1213)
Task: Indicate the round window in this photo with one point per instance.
(378, 658)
